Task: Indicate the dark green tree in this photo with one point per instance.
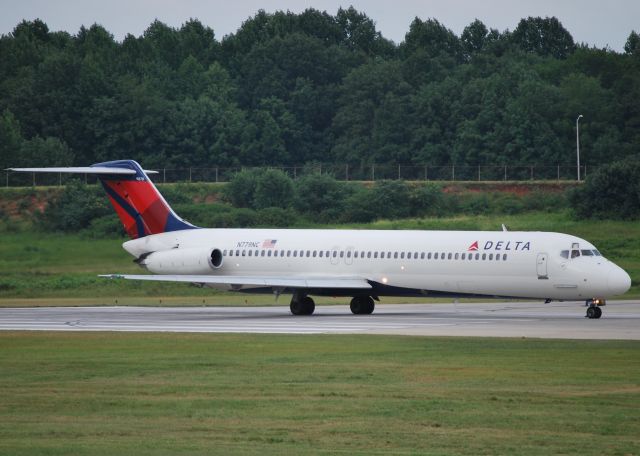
(613, 192)
(544, 37)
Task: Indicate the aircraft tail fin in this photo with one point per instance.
(138, 203)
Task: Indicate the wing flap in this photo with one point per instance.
(253, 281)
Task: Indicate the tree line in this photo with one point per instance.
(311, 88)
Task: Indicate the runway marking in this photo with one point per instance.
(621, 321)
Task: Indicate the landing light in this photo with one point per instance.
(384, 280)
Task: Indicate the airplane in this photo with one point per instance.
(361, 264)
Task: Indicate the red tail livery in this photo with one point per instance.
(141, 208)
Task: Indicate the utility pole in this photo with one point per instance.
(578, 143)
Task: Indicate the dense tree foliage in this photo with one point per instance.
(612, 192)
(315, 88)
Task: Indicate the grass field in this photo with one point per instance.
(35, 265)
(117, 393)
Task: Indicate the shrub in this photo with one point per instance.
(76, 207)
(260, 188)
(104, 227)
(274, 188)
(611, 192)
(320, 196)
(276, 217)
(428, 200)
(241, 189)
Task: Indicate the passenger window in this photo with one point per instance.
(320, 253)
(262, 253)
(237, 252)
(422, 256)
(491, 256)
(250, 252)
(464, 256)
(224, 252)
(315, 253)
(295, 253)
(375, 254)
(341, 253)
(288, 253)
(368, 254)
(348, 253)
(456, 257)
(230, 252)
(484, 256)
(564, 254)
(504, 257)
(429, 256)
(308, 253)
(477, 256)
(269, 253)
(401, 255)
(449, 256)
(435, 256)
(442, 256)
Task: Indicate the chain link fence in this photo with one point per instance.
(450, 173)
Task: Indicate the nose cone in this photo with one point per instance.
(619, 281)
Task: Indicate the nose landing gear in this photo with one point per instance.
(593, 311)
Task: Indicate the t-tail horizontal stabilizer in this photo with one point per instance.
(138, 203)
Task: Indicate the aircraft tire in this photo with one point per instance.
(356, 305)
(591, 312)
(370, 305)
(598, 312)
(362, 305)
(308, 306)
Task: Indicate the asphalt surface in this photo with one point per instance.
(620, 320)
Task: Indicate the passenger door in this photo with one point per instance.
(541, 266)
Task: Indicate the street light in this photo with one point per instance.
(578, 143)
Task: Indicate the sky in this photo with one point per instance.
(594, 22)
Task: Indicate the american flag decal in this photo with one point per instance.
(269, 243)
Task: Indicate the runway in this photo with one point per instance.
(621, 320)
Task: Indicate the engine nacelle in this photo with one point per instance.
(195, 261)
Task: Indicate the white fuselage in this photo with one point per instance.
(500, 263)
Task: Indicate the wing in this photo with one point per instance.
(238, 282)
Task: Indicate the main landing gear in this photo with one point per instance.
(302, 305)
(362, 305)
(593, 309)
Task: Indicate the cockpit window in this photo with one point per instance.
(575, 253)
(596, 253)
(586, 253)
(564, 254)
